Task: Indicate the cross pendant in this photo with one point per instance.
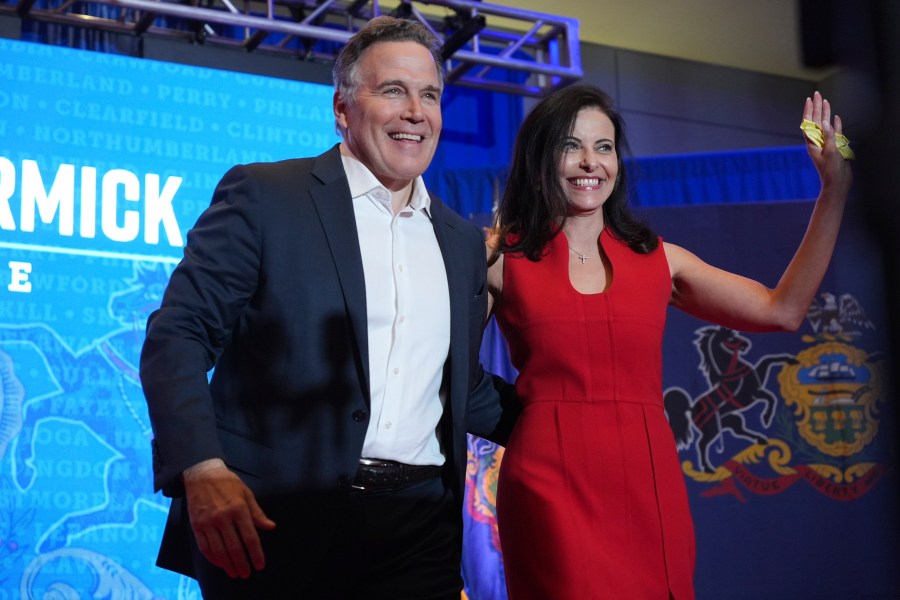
(583, 258)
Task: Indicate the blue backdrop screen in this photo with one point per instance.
(105, 163)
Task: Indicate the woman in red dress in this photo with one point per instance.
(591, 500)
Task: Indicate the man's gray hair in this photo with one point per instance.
(380, 29)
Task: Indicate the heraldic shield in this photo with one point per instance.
(834, 390)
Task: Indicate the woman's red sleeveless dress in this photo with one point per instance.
(591, 500)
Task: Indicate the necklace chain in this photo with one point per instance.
(580, 255)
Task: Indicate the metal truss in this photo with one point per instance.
(484, 46)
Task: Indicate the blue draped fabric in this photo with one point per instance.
(746, 176)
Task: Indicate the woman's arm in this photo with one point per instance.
(741, 303)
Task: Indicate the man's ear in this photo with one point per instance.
(340, 110)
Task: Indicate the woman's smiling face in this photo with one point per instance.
(589, 164)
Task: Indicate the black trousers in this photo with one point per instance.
(395, 545)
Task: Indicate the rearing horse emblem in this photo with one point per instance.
(735, 385)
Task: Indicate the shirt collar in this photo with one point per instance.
(362, 182)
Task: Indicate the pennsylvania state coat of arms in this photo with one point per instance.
(824, 432)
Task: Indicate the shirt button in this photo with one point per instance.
(388, 425)
(360, 415)
(396, 371)
(402, 318)
(400, 268)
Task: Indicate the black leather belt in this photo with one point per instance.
(373, 475)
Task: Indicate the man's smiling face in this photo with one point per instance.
(393, 124)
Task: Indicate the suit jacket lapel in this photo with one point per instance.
(335, 208)
(443, 231)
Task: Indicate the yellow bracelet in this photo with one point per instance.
(814, 133)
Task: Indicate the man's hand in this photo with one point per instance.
(224, 516)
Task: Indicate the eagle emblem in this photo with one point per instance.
(839, 316)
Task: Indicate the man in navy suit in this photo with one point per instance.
(342, 308)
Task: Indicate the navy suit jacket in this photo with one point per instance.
(271, 293)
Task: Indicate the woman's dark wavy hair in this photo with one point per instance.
(534, 204)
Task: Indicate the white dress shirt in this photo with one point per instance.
(408, 313)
